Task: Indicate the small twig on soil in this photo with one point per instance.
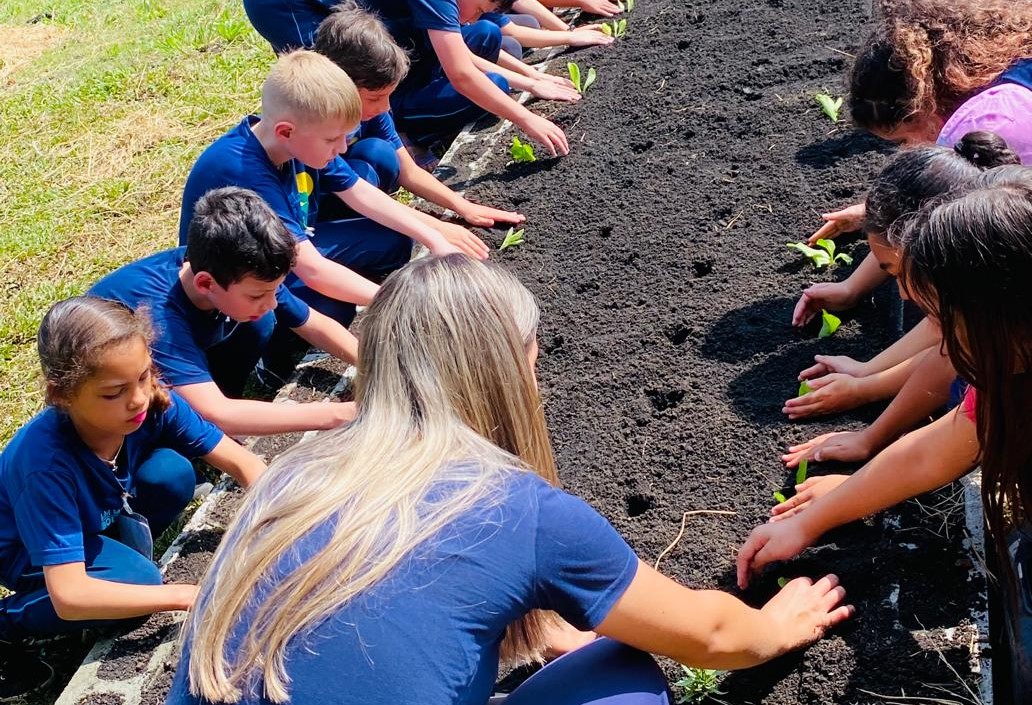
(734, 220)
(662, 84)
(839, 51)
(910, 698)
(974, 698)
(684, 521)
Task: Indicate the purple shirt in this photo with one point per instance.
(1005, 109)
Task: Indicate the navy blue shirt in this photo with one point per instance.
(381, 126)
(408, 22)
(430, 632)
(55, 491)
(183, 331)
(239, 159)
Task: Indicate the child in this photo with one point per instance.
(290, 157)
(358, 42)
(213, 303)
(932, 71)
(414, 549)
(87, 482)
(968, 263)
(521, 32)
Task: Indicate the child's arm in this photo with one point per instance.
(247, 417)
(847, 220)
(327, 334)
(931, 457)
(922, 336)
(77, 596)
(366, 199)
(839, 296)
(545, 17)
(926, 391)
(526, 78)
(426, 186)
(331, 279)
(712, 629)
(233, 459)
(457, 63)
(604, 8)
(529, 37)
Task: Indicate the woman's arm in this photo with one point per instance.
(236, 461)
(921, 461)
(77, 596)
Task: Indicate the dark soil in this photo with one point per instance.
(657, 252)
(103, 699)
(131, 652)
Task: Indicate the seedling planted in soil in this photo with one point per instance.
(800, 473)
(829, 106)
(829, 324)
(521, 151)
(575, 77)
(779, 497)
(615, 28)
(823, 257)
(627, 6)
(782, 582)
(511, 239)
(804, 388)
(698, 684)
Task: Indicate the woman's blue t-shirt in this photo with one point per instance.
(54, 490)
(431, 631)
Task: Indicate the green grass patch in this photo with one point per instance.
(107, 104)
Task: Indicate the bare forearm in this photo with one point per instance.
(921, 337)
(423, 184)
(887, 383)
(545, 17)
(327, 334)
(336, 281)
(531, 38)
(102, 599)
(518, 74)
(926, 390)
(867, 277)
(247, 417)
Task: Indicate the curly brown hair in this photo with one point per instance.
(926, 57)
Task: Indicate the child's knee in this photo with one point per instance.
(382, 158)
(170, 475)
(484, 38)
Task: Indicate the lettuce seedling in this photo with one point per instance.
(629, 6)
(829, 106)
(511, 239)
(575, 77)
(614, 28)
(698, 684)
(804, 388)
(779, 497)
(521, 151)
(829, 324)
(800, 473)
(782, 582)
(823, 257)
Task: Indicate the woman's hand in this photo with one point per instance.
(804, 610)
(827, 364)
(828, 394)
(807, 492)
(833, 296)
(847, 220)
(771, 542)
(843, 446)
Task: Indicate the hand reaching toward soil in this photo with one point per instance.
(547, 133)
(829, 394)
(807, 492)
(804, 610)
(558, 80)
(833, 296)
(847, 220)
(827, 364)
(486, 216)
(843, 446)
(771, 542)
(589, 36)
(462, 240)
(546, 89)
(603, 8)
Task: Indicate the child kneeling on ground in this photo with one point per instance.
(87, 483)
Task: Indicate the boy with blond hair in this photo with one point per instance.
(290, 156)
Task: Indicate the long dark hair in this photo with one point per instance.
(968, 261)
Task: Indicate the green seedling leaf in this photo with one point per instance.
(589, 80)
(800, 473)
(629, 6)
(698, 684)
(829, 324)
(779, 498)
(829, 106)
(804, 388)
(782, 582)
(620, 29)
(522, 151)
(820, 258)
(511, 239)
(574, 71)
(607, 29)
(827, 245)
(843, 257)
(620, 5)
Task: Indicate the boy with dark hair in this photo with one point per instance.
(358, 42)
(215, 304)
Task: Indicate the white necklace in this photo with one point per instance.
(113, 463)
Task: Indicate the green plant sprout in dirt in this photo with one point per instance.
(521, 151)
(804, 388)
(614, 28)
(779, 497)
(782, 582)
(825, 256)
(829, 106)
(829, 324)
(698, 684)
(512, 238)
(800, 473)
(575, 77)
(627, 6)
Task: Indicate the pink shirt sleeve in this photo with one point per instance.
(1005, 109)
(967, 406)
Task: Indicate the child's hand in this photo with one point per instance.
(847, 220)
(604, 8)
(485, 216)
(547, 133)
(843, 446)
(459, 239)
(833, 296)
(804, 610)
(558, 80)
(806, 492)
(185, 595)
(550, 90)
(828, 394)
(771, 542)
(588, 36)
(827, 364)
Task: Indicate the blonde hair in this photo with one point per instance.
(446, 398)
(307, 87)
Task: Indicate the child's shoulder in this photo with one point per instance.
(38, 446)
(237, 151)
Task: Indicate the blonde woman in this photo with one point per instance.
(399, 559)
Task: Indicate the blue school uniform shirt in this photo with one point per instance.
(408, 22)
(430, 632)
(54, 490)
(183, 332)
(381, 126)
(291, 190)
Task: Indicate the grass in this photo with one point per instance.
(107, 104)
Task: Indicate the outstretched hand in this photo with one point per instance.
(828, 395)
(806, 493)
(486, 216)
(843, 446)
(826, 364)
(847, 220)
(805, 610)
(768, 543)
(603, 8)
(833, 296)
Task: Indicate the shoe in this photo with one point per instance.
(21, 672)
